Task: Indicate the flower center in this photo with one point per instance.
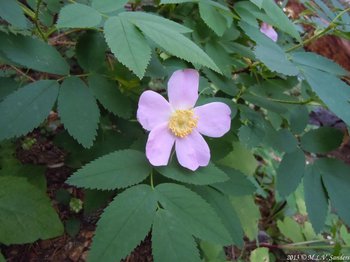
(182, 122)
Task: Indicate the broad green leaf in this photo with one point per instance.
(124, 224)
(226, 212)
(238, 185)
(116, 170)
(290, 172)
(95, 199)
(212, 17)
(275, 59)
(316, 61)
(315, 198)
(290, 229)
(260, 254)
(108, 6)
(280, 19)
(151, 20)
(78, 16)
(336, 98)
(212, 252)
(90, 50)
(7, 86)
(170, 240)
(322, 140)
(258, 3)
(127, 44)
(268, 52)
(78, 110)
(12, 13)
(248, 214)
(109, 95)
(281, 140)
(197, 216)
(26, 214)
(175, 43)
(32, 53)
(241, 159)
(335, 176)
(202, 176)
(26, 108)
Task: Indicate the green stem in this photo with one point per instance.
(151, 179)
(304, 102)
(36, 20)
(330, 27)
(290, 247)
(64, 77)
(27, 11)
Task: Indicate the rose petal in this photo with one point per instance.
(213, 119)
(183, 89)
(192, 151)
(159, 144)
(268, 30)
(153, 110)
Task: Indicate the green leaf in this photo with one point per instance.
(12, 13)
(275, 59)
(90, 51)
(119, 169)
(336, 98)
(248, 214)
(202, 176)
(316, 61)
(26, 214)
(226, 212)
(197, 216)
(95, 199)
(124, 224)
(108, 6)
(279, 18)
(170, 240)
(322, 140)
(315, 198)
(241, 159)
(175, 43)
(78, 16)
(2, 258)
(78, 110)
(260, 254)
(238, 185)
(291, 229)
(7, 86)
(335, 176)
(32, 53)
(290, 172)
(281, 140)
(127, 44)
(212, 17)
(26, 108)
(72, 226)
(151, 20)
(258, 3)
(109, 95)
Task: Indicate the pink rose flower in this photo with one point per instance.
(179, 122)
(268, 30)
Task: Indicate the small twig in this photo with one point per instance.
(22, 73)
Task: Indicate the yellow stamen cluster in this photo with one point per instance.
(182, 122)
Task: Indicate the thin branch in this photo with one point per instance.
(22, 73)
